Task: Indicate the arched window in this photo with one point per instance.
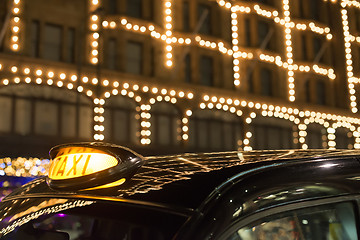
(272, 134)
(344, 139)
(45, 111)
(316, 137)
(165, 125)
(121, 121)
(214, 131)
(5, 116)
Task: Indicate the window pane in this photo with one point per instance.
(186, 17)
(266, 82)
(134, 127)
(46, 118)
(314, 10)
(134, 58)
(204, 18)
(343, 139)
(308, 91)
(216, 137)
(70, 47)
(317, 43)
(22, 116)
(134, 8)
(5, 116)
(192, 132)
(175, 133)
(250, 80)
(202, 133)
(263, 30)
(112, 7)
(304, 47)
(335, 221)
(229, 136)
(247, 32)
(206, 71)
(52, 42)
(111, 47)
(121, 123)
(320, 93)
(85, 122)
(187, 68)
(314, 138)
(163, 130)
(260, 138)
(68, 120)
(274, 135)
(34, 51)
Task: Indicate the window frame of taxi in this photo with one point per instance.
(354, 200)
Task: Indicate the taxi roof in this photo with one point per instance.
(186, 180)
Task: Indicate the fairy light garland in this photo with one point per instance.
(15, 25)
(94, 26)
(30, 75)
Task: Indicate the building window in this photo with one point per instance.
(344, 139)
(214, 131)
(316, 137)
(47, 112)
(70, 45)
(317, 44)
(206, 71)
(23, 119)
(308, 91)
(165, 123)
(152, 62)
(314, 10)
(6, 113)
(68, 120)
(121, 124)
(111, 54)
(35, 38)
(134, 57)
(357, 20)
(186, 16)
(247, 32)
(272, 135)
(304, 47)
(46, 118)
(250, 80)
(52, 42)
(187, 63)
(266, 82)
(263, 32)
(134, 8)
(112, 6)
(301, 9)
(204, 19)
(320, 93)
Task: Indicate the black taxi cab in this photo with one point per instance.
(103, 191)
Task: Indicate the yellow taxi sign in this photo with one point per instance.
(72, 165)
(91, 166)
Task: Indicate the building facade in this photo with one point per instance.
(166, 76)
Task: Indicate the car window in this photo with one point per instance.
(99, 220)
(335, 221)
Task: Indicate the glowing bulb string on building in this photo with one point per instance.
(21, 74)
(155, 94)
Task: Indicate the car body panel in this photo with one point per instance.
(213, 191)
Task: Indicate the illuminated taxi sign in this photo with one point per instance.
(86, 166)
(72, 165)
